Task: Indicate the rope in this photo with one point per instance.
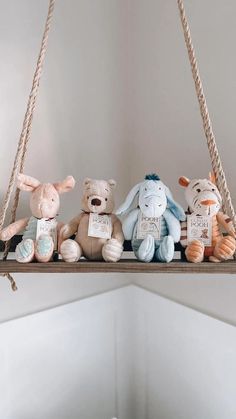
(12, 281)
(20, 156)
(210, 137)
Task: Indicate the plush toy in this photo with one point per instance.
(153, 226)
(201, 233)
(40, 230)
(98, 232)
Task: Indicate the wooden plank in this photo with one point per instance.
(124, 265)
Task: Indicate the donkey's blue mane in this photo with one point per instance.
(152, 176)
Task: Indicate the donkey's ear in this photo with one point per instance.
(66, 185)
(128, 200)
(184, 181)
(174, 207)
(212, 177)
(27, 183)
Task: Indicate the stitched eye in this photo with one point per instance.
(105, 199)
(145, 189)
(53, 200)
(87, 197)
(198, 190)
(213, 189)
(159, 188)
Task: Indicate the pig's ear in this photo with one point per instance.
(184, 181)
(112, 183)
(212, 177)
(66, 185)
(27, 183)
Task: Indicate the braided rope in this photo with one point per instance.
(11, 279)
(210, 137)
(20, 156)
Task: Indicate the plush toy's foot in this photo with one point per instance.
(225, 248)
(214, 259)
(146, 249)
(112, 250)
(25, 251)
(70, 251)
(166, 250)
(195, 251)
(44, 248)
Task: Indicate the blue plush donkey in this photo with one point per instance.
(154, 225)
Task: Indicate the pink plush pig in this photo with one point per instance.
(40, 230)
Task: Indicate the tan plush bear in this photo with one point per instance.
(98, 232)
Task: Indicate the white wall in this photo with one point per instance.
(117, 100)
(127, 354)
(69, 362)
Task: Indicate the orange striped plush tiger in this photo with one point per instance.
(201, 233)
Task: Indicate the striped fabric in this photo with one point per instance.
(217, 220)
(183, 236)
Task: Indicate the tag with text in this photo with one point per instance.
(99, 226)
(148, 225)
(47, 226)
(199, 228)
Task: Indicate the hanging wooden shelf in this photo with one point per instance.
(123, 266)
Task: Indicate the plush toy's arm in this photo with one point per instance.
(8, 232)
(59, 238)
(129, 223)
(226, 222)
(70, 228)
(117, 232)
(173, 225)
(183, 236)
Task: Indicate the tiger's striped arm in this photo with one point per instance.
(225, 221)
(183, 236)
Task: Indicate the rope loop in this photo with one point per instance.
(19, 162)
(207, 125)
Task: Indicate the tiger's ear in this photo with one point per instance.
(184, 181)
(212, 177)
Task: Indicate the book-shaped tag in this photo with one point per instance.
(99, 226)
(199, 227)
(47, 227)
(148, 225)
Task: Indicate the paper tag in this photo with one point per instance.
(148, 225)
(99, 226)
(47, 226)
(199, 228)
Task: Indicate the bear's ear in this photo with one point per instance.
(112, 183)
(184, 181)
(87, 181)
(212, 177)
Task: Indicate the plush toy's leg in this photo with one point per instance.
(145, 252)
(112, 250)
(70, 251)
(165, 252)
(195, 251)
(44, 248)
(224, 249)
(25, 251)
